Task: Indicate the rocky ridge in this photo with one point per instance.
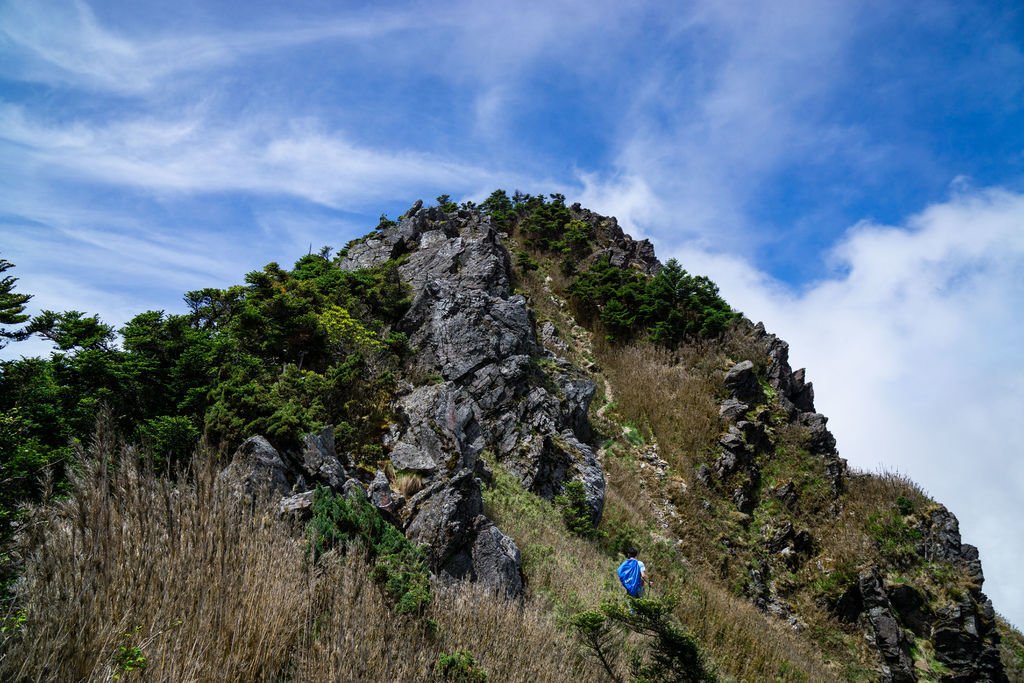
(494, 389)
(485, 381)
(891, 615)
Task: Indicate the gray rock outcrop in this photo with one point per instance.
(491, 386)
(964, 634)
(885, 629)
(621, 249)
(742, 383)
(257, 470)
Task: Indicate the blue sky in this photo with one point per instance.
(850, 173)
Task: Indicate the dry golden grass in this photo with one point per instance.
(752, 646)
(188, 576)
(845, 542)
(656, 393)
(209, 588)
(409, 484)
(355, 637)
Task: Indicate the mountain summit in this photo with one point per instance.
(496, 401)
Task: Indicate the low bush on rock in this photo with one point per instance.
(352, 522)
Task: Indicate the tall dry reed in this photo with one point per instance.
(183, 575)
(139, 578)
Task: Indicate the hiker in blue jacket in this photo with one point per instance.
(633, 575)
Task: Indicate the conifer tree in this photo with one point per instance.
(12, 304)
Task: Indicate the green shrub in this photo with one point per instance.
(447, 205)
(525, 262)
(544, 222)
(668, 308)
(384, 223)
(169, 440)
(599, 637)
(896, 540)
(129, 657)
(576, 511)
(905, 505)
(459, 667)
(671, 654)
(398, 566)
(499, 207)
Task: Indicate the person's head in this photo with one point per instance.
(631, 552)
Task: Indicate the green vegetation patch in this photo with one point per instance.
(896, 540)
(668, 308)
(281, 355)
(398, 565)
(670, 652)
(459, 667)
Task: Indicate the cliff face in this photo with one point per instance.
(490, 387)
(486, 382)
(894, 616)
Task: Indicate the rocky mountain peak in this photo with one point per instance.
(483, 389)
(484, 383)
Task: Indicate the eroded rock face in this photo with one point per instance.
(493, 388)
(796, 396)
(460, 542)
(742, 383)
(477, 337)
(622, 250)
(320, 462)
(885, 629)
(258, 470)
(964, 634)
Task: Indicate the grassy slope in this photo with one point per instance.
(132, 577)
(742, 643)
(654, 401)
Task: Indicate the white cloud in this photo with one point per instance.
(913, 347)
(63, 43)
(191, 154)
(747, 106)
(628, 197)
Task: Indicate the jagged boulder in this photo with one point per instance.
(442, 516)
(436, 430)
(258, 470)
(911, 607)
(320, 462)
(494, 559)
(793, 391)
(552, 341)
(964, 633)
(447, 520)
(299, 505)
(888, 636)
(386, 500)
(965, 641)
(742, 382)
(621, 249)
(732, 409)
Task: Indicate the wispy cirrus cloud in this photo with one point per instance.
(64, 43)
(192, 155)
(706, 139)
